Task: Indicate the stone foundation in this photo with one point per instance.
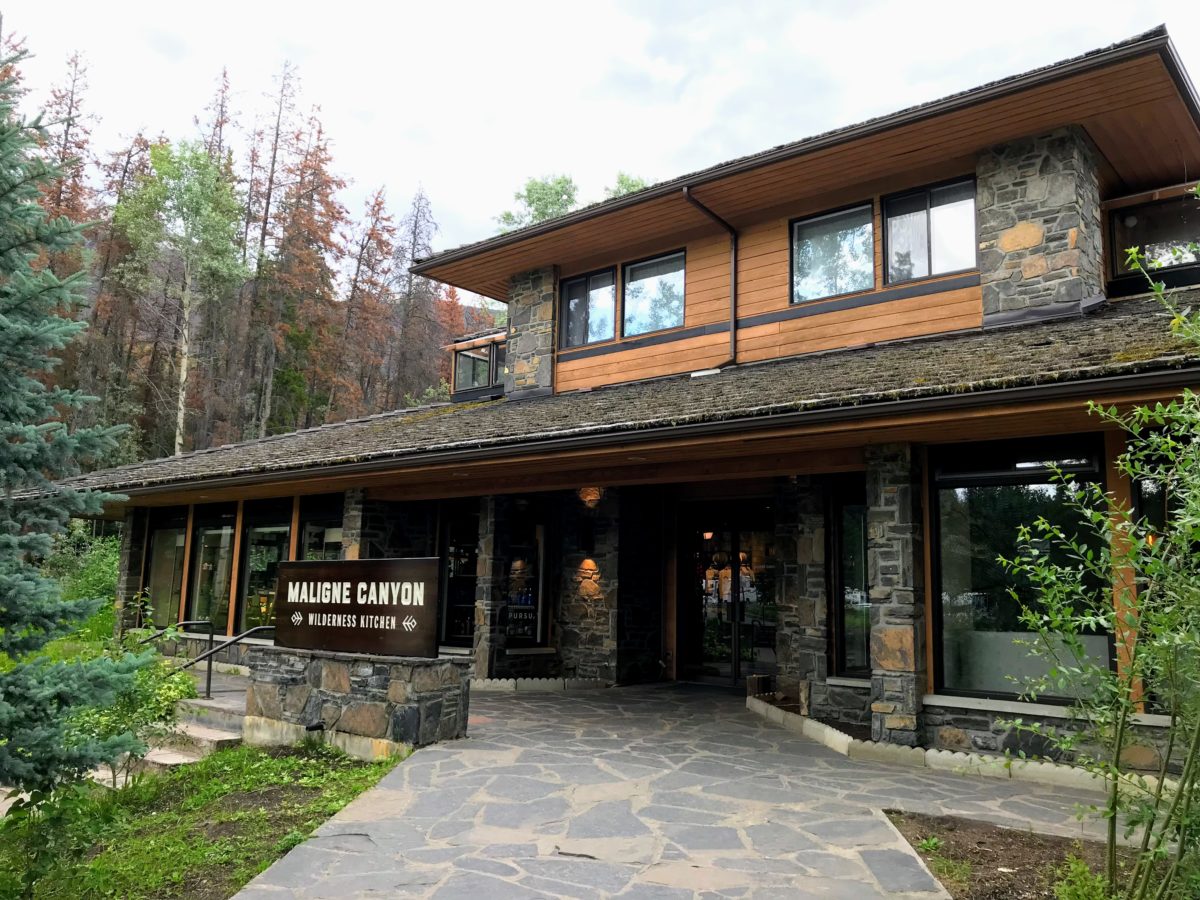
(389, 702)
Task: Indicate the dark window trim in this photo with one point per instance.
(494, 376)
(562, 306)
(1092, 440)
(1123, 284)
(927, 190)
(649, 339)
(681, 252)
(869, 203)
(835, 501)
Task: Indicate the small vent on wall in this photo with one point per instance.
(706, 372)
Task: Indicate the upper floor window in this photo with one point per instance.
(653, 295)
(589, 308)
(1166, 231)
(930, 231)
(478, 367)
(833, 254)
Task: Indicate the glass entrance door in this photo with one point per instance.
(728, 611)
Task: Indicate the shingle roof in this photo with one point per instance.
(1125, 338)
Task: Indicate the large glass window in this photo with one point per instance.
(982, 494)
(833, 254)
(473, 368)
(266, 539)
(212, 566)
(460, 537)
(930, 232)
(1166, 231)
(653, 295)
(589, 309)
(164, 569)
(851, 591)
(321, 526)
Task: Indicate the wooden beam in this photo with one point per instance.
(294, 533)
(1120, 489)
(234, 571)
(187, 563)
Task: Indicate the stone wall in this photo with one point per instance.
(129, 566)
(895, 574)
(1038, 211)
(488, 648)
(802, 636)
(380, 699)
(587, 611)
(529, 360)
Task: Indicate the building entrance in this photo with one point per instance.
(728, 615)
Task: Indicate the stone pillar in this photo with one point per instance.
(489, 636)
(1038, 211)
(129, 568)
(896, 575)
(588, 617)
(529, 359)
(352, 523)
(801, 637)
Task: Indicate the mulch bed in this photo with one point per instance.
(977, 861)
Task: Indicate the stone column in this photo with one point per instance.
(895, 568)
(489, 588)
(529, 359)
(1038, 211)
(352, 523)
(802, 636)
(588, 615)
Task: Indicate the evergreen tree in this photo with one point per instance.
(38, 747)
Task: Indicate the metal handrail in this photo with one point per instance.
(213, 651)
(211, 635)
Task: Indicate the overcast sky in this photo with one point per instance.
(469, 99)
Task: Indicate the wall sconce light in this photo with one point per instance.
(708, 535)
(591, 496)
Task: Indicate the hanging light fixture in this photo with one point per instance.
(591, 496)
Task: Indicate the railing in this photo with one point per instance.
(185, 624)
(213, 651)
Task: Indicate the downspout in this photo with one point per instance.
(733, 273)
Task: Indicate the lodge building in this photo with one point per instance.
(777, 417)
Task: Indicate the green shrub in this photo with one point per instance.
(1076, 881)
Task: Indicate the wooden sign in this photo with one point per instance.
(387, 607)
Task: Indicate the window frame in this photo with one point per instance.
(1184, 275)
(562, 306)
(624, 273)
(495, 376)
(841, 491)
(1091, 442)
(927, 190)
(869, 203)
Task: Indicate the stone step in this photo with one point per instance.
(203, 739)
(221, 712)
(163, 759)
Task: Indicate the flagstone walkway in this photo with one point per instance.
(659, 792)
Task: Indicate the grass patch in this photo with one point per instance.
(203, 830)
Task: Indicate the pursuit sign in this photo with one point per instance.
(381, 606)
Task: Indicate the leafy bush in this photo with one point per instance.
(1076, 881)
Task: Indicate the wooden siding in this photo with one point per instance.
(764, 249)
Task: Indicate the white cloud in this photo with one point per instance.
(469, 99)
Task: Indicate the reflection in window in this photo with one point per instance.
(265, 544)
(833, 254)
(589, 309)
(1166, 231)
(653, 298)
(321, 526)
(980, 620)
(931, 232)
(473, 368)
(212, 568)
(164, 571)
(852, 629)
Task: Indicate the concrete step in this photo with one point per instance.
(163, 759)
(203, 739)
(222, 712)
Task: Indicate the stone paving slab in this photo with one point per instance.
(669, 791)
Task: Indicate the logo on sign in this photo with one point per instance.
(297, 618)
(409, 623)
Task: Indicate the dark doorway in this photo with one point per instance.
(727, 609)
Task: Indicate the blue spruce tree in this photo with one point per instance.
(38, 746)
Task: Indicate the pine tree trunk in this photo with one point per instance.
(185, 356)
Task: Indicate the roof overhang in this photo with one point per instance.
(1119, 95)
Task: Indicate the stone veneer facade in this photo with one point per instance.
(1038, 214)
(895, 574)
(529, 358)
(587, 611)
